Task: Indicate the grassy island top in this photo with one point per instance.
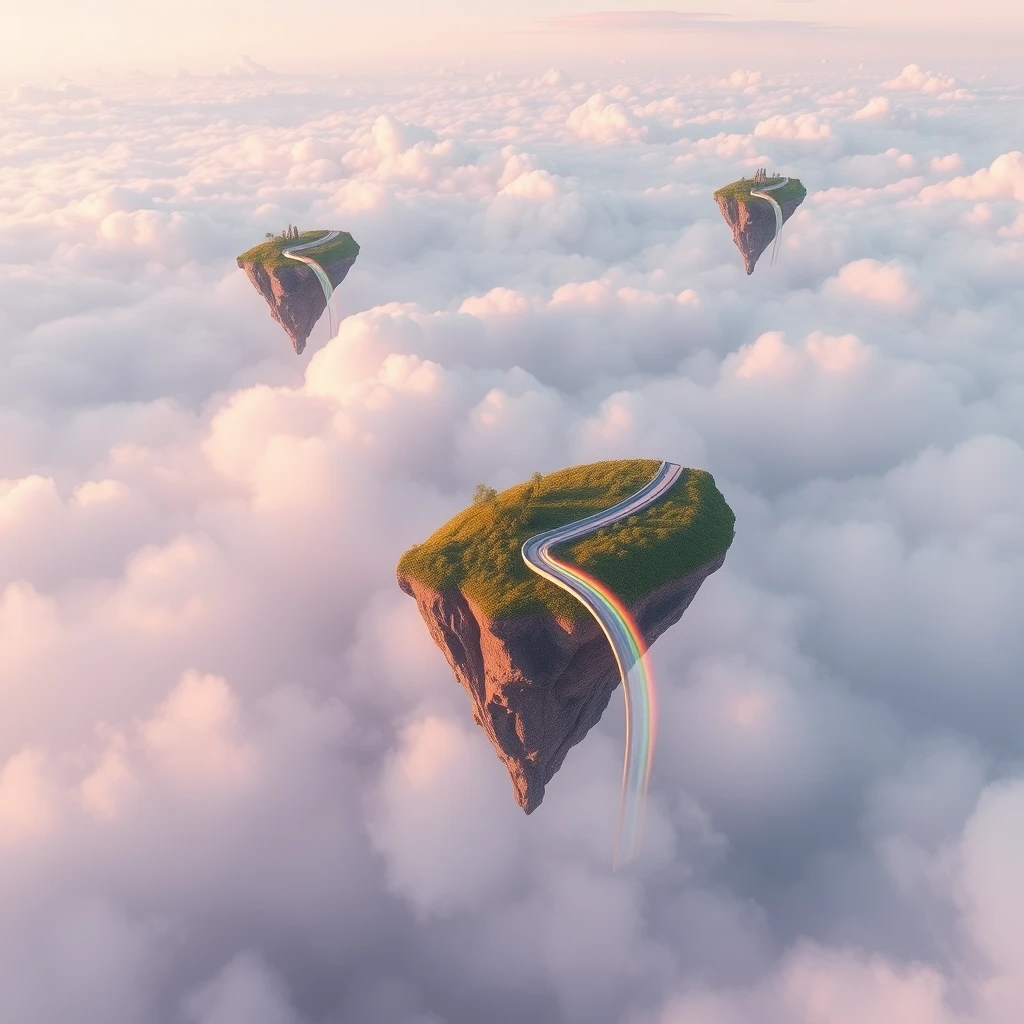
(741, 190)
(478, 550)
(269, 253)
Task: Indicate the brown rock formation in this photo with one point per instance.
(753, 224)
(538, 685)
(294, 294)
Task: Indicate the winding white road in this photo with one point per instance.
(295, 252)
(763, 194)
(626, 643)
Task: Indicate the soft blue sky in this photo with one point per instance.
(50, 37)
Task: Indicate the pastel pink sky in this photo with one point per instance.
(54, 37)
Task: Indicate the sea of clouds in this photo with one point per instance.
(238, 783)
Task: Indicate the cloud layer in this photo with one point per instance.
(238, 784)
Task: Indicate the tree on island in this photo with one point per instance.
(483, 493)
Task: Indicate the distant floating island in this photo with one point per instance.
(297, 272)
(756, 208)
(535, 659)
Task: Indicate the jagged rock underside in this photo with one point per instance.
(294, 294)
(753, 224)
(538, 685)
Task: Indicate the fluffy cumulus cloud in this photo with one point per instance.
(792, 126)
(916, 79)
(603, 121)
(238, 784)
(881, 110)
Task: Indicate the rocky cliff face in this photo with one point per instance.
(538, 685)
(294, 295)
(753, 224)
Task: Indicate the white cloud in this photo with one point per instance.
(555, 77)
(104, 791)
(245, 67)
(814, 984)
(600, 120)
(882, 110)
(25, 809)
(743, 79)
(192, 733)
(913, 77)
(237, 780)
(245, 990)
(1002, 179)
(422, 841)
(789, 126)
(887, 284)
(64, 90)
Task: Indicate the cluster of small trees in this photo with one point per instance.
(484, 493)
(289, 232)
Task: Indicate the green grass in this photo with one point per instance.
(269, 252)
(741, 190)
(478, 550)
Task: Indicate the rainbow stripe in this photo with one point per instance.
(627, 644)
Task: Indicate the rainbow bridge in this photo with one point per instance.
(627, 645)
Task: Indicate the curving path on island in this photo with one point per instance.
(627, 645)
(295, 252)
(762, 194)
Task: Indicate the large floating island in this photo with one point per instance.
(752, 218)
(295, 294)
(538, 669)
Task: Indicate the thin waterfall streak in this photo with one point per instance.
(596, 598)
(325, 283)
(777, 210)
(631, 811)
(778, 233)
(617, 861)
(294, 253)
